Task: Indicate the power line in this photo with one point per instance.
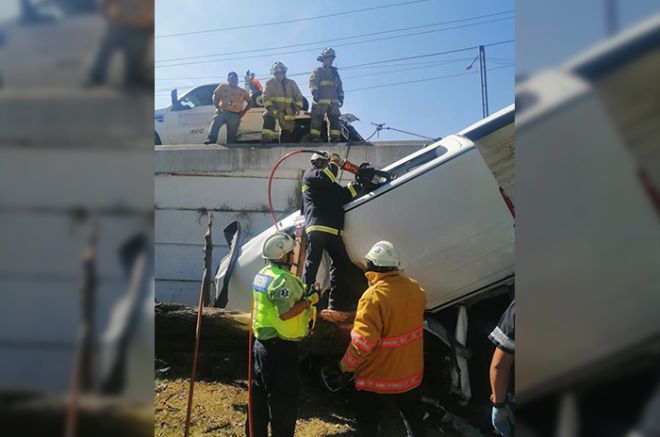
(379, 73)
(265, 77)
(336, 45)
(405, 82)
(338, 39)
(296, 20)
(407, 58)
(420, 80)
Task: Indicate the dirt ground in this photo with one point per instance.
(220, 409)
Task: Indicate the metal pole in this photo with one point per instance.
(484, 82)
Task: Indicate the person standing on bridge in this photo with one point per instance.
(282, 100)
(328, 96)
(228, 98)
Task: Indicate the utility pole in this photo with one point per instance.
(611, 17)
(481, 56)
(484, 81)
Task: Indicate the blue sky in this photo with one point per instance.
(550, 32)
(432, 108)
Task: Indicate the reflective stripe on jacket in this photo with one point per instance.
(327, 82)
(323, 200)
(275, 291)
(386, 351)
(282, 99)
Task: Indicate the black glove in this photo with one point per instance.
(341, 101)
(365, 173)
(315, 96)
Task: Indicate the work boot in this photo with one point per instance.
(208, 141)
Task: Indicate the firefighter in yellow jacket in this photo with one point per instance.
(328, 96)
(386, 349)
(282, 99)
(281, 318)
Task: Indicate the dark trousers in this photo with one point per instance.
(274, 389)
(220, 118)
(347, 282)
(368, 406)
(133, 42)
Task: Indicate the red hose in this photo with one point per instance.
(270, 181)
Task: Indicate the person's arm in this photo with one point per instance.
(268, 99)
(365, 334)
(314, 84)
(248, 100)
(500, 370)
(340, 88)
(297, 97)
(216, 97)
(296, 309)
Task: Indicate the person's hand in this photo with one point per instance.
(315, 96)
(503, 420)
(365, 172)
(341, 102)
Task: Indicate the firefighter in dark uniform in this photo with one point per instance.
(322, 205)
(504, 338)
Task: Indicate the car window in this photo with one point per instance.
(202, 96)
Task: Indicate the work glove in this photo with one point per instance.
(503, 420)
(365, 173)
(315, 96)
(313, 295)
(341, 101)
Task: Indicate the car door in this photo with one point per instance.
(192, 117)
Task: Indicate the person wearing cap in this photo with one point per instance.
(281, 317)
(323, 202)
(232, 103)
(504, 338)
(328, 96)
(282, 99)
(386, 352)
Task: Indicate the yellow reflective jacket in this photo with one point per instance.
(282, 99)
(387, 348)
(327, 82)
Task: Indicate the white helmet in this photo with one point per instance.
(317, 156)
(384, 254)
(278, 67)
(277, 245)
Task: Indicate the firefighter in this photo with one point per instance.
(322, 207)
(228, 98)
(282, 99)
(504, 338)
(386, 349)
(328, 97)
(281, 318)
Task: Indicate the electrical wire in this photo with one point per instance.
(335, 45)
(327, 41)
(296, 20)
(423, 80)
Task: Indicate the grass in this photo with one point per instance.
(220, 409)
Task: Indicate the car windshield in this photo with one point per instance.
(202, 96)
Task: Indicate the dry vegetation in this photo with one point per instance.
(220, 409)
